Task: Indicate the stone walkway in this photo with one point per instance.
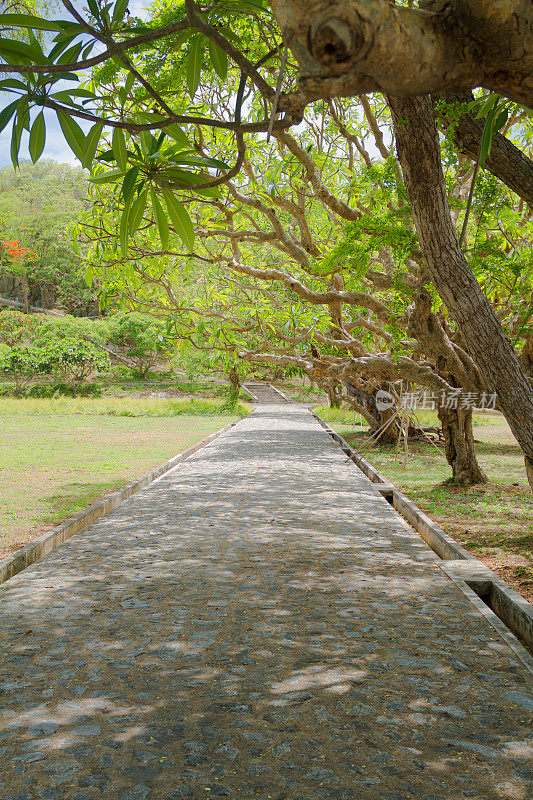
(264, 393)
(257, 624)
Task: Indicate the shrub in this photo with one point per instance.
(143, 338)
(19, 328)
(74, 360)
(23, 362)
(69, 327)
(64, 390)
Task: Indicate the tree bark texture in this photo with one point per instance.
(506, 162)
(459, 445)
(348, 47)
(419, 155)
(527, 356)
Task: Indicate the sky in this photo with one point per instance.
(56, 148)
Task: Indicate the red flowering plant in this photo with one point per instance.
(17, 258)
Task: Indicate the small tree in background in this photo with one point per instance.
(15, 260)
(75, 360)
(24, 362)
(142, 337)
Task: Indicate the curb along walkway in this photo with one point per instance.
(259, 623)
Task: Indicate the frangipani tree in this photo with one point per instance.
(347, 49)
(308, 260)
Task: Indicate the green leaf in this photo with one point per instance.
(15, 143)
(209, 191)
(93, 8)
(73, 134)
(202, 161)
(501, 119)
(19, 52)
(178, 135)
(23, 115)
(37, 137)
(28, 21)
(7, 113)
(12, 83)
(219, 60)
(148, 143)
(182, 37)
(180, 218)
(62, 42)
(106, 177)
(193, 64)
(119, 149)
(486, 137)
(137, 210)
(71, 54)
(119, 10)
(124, 230)
(128, 184)
(130, 80)
(66, 95)
(160, 218)
(181, 178)
(91, 143)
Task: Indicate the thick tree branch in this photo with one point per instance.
(506, 162)
(317, 298)
(347, 48)
(319, 188)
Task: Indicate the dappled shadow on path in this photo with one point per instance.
(257, 624)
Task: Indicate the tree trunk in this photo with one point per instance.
(419, 155)
(26, 292)
(529, 470)
(389, 429)
(333, 395)
(527, 356)
(234, 387)
(459, 445)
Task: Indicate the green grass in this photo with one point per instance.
(117, 406)
(60, 455)
(495, 522)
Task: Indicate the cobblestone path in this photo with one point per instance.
(257, 624)
(265, 393)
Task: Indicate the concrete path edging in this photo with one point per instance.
(49, 541)
(460, 565)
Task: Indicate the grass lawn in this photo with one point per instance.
(58, 456)
(494, 522)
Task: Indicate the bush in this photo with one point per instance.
(64, 390)
(142, 336)
(73, 360)
(19, 328)
(68, 327)
(23, 362)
